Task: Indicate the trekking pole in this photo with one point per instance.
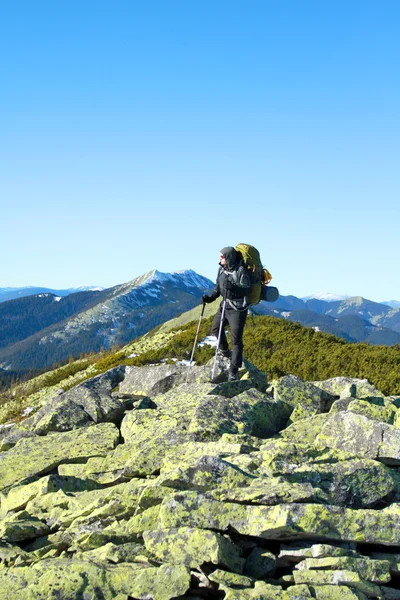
(195, 341)
(219, 337)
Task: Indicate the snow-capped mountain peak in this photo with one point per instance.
(326, 297)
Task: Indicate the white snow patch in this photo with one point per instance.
(327, 297)
(57, 298)
(209, 340)
(286, 314)
(28, 411)
(6, 426)
(316, 328)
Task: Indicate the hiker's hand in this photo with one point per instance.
(205, 299)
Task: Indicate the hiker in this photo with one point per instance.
(233, 284)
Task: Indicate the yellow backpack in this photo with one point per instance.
(259, 276)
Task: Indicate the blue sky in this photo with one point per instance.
(139, 135)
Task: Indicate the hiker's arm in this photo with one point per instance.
(206, 299)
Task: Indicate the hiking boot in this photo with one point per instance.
(233, 377)
(225, 353)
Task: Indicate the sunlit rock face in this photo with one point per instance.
(146, 483)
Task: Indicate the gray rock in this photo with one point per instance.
(361, 436)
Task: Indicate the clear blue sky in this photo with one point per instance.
(143, 134)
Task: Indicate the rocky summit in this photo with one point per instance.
(155, 483)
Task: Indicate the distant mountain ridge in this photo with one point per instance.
(42, 330)
(10, 293)
(38, 331)
(355, 319)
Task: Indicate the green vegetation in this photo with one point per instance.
(280, 347)
(275, 346)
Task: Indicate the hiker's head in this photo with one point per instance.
(228, 257)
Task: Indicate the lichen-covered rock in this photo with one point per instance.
(342, 404)
(302, 411)
(148, 424)
(191, 509)
(260, 563)
(95, 396)
(393, 558)
(113, 553)
(73, 578)
(294, 391)
(298, 592)
(344, 387)
(295, 552)
(341, 478)
(193, 547)
(335, 592)
(250, 412)
(376, 571)
(225, 579)
(216, 415)
(205, 473)
(270, 491)
(358, 483)
(21, 526)
(158, 379)
(379, 409)
(283, 521)
(180, 401)
(163, 583)
(40, 455)
(261, 591)
(19, 496)
(305, 430)
(91, 401)
(10, 554)
(361, 436)
(343, 577)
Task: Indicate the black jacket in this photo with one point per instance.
(236, 273)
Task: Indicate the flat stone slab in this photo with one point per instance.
(40, 455)
(361, 436)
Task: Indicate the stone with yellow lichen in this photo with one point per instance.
(72, 578)
(40, 455)
(21, 526)
(193, 547)
(205, 473)
(361, 436)
(261, 591)
(335, 592)
(378, 409)
(377, 571)
(339, 577)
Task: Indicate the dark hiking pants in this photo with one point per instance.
(236, 321)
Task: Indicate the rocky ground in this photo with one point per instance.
(136, 484)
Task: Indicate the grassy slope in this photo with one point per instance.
(275, 346)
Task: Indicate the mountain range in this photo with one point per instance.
(10, 293)
(41, 330)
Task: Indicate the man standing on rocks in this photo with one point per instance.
(233, 284)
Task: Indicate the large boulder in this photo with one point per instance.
(295, 391)
(159, 379)
(90, 402)
(193, 547)
(250, 412)
(361, 436)
(40, 455)
(71, 579)
(344, 387)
